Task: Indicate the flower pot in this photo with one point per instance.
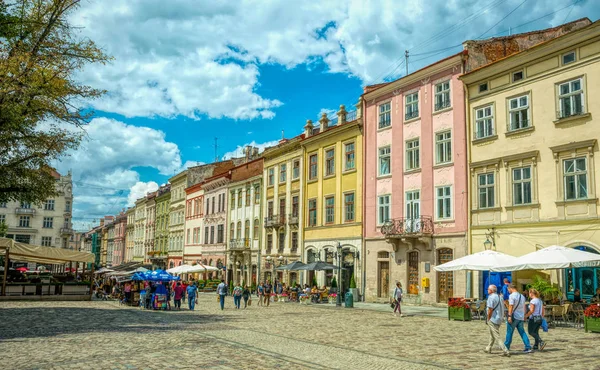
(459, 313)
(592, 324)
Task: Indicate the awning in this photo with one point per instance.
(34, 253)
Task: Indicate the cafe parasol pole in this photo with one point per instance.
(5, 272)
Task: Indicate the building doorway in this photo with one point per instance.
(413, 272)
(586, 279)
(446, 278)
(347, 270)
(383, 281)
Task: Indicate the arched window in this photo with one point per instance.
(256, 228)
(247, 229)
(239, 230)
(232, 231)
(383, 255)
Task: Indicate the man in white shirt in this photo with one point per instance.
(516, 317)
(495, 316)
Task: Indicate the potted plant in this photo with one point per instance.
(353, 288)
(458, 309)
(332, 298)
(591, 318)
(314, 280)
(548, 292)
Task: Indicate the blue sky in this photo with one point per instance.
(188, 71)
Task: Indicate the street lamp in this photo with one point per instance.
(340, 288)
(487, 244)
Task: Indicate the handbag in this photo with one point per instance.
(249, 301)
(544, 325)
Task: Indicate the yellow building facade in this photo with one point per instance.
(333, 196)
(533, 126)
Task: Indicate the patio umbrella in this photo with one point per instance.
(553, 257)
(137, 277)
(22, 269)
(296, 265)
(319, 266)
(159, 275)
(481, 261)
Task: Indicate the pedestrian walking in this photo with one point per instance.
(494, 318)
(191, 291)
(127, 290)
(169, 293)
(237, 296)
(267, 292)
(505, 292)
(516, 317)
(178, 291)
(398, 299)
(535, 317)
(184, 284)
(246, 295)
(222, 292)
(260, 291)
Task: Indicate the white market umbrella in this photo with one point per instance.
(553, 257)
(103, 270)
(481, 261)
(202, 268)
(182, 269)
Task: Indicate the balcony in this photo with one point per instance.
(239, 244)
(293, 219)
(274, 221)
(66, 230)
(409, 231)
(25, 211)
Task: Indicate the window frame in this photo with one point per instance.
(513, 74)
(521, 183)
(48, 223)
(271, 176)
(576, 174)
(570, 95)
(484, 119)
(516, 112)
(413, 155)
(443, 147)
(487, 188)
(329, 162)
(411, 108)
(445, 94)
(282, 173)
(385, 205)
(329, 210)
(381, 156)
(562, 57)
(347, 205)
(312, 212)
(444, 206)
(382, 111)
(295, 169)
(349, 156)
(313, 166)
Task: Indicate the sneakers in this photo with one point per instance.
(542, 346)
(401, 315)
(487, 350)
(527, 350)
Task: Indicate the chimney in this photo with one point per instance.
(324, 121)
(101, 222)
(359, 108)
(308, 128)
(342, 115)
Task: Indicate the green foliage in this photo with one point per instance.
(3, 229)
(314, 280)
(352, 282)
(546, 289)
(42, 105)
(253, 287)
(334, 283)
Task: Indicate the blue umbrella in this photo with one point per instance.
(138, 277)
(159, 275)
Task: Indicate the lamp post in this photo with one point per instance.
(340, 288)
(269, 258)
(487, 244)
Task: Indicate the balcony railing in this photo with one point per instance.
(66, 230)
(293, 219)
(25, 211)
(274, 221)
(566, 113)
(408, 227)
(411, 115)
(442, 105)
(238, 244)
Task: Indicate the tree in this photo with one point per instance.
(3, 229)
(42, 106)
(352, 282)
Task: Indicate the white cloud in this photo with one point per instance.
(139, 190)
(239, 151)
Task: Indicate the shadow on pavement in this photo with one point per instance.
(48, 321)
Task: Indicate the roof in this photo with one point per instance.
(34, 253)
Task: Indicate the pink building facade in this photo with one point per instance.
(118, 256)
(415, 183)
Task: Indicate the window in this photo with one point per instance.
(256, 229)
(483, 87)
(49, 205)
(294, 241)
(384, 161)
(239, 198)
(295, 206)
(519, 113)
(412, 154)
(442, 95)
(213, 205)
(282, 207)
(219, 204)
(2, 219)
(232, 231)
(206, 240)
(575, 174)
(188, 236)
(349, 207)
(570, 98)
(2, 204)
(281, 240)
(486, 190)
(517, 76)
(271, 179)
(24, 221)
(444, 202)
(212, 235)
(314, 167)
(270, 209)
(295, 170)
(521, 179)
(443, 147)
(48, 222)
(411, 106)
(312, 212)
(247, 229)
(568, 57)
(329, 162)
(248, 199)
(25, 205)
(484, 122)
(383, 214)
(385, 119)
(257, 194)
(349, 156)
(329, 210)
(46, 241)
(239, 230)
(283, 173)
(269, 242)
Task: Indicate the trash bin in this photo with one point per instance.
(349, 299)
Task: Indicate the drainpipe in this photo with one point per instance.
(469, 287)
(363, 261)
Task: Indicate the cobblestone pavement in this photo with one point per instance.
(104, 335)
